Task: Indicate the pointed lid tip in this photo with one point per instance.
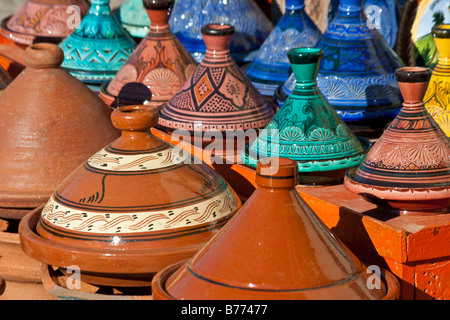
(43, 55)
(277, 173)
(134, 118)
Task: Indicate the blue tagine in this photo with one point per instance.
(251, 25)
(271, 68)
(98, 47)
(357, 73)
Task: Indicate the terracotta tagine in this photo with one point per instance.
(5, 79)
(252, 25)
(158, 67)
(357, 73)
(51, 123)
(270, 68)
(131, 209)
(437, 97)
(257, 257)
(408, 170)
(44, 21)
(98, 47)
(307, 128)
(218, 97)
(2, 285)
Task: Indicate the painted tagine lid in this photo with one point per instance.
(357, 73)
(98, 47)
(158, 67)
(437, 97)
(44, 21)
(270, 68)
(407, 171)
(134, 18)
(218, 96)
(131, 209)
(252, 25)
(307, 129)
(50, 124)
(265, 253)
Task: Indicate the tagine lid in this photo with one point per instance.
(158, 67)
(51, 123)
(411, 160)
(98, 47)
(43, 21)
(307, 128)
(218, 95)
(137, 195)
(268, 253)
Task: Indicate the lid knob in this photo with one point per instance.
(43, 55)
(159, 11)
(218, 37)
(277, 173)
(134, 118)
(413, 83)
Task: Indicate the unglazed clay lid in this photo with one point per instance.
(50, 124)
(411, 160)
(158, 67)
(136, 203)
(98, 47)
(307, 128)
(43, 21)
(275, 247)
(218, 96)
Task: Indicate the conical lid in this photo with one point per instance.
(218, 96)
(136, 201)
(357, 73)
(270, 68)
(158, 67)
(50, 124)
(44, 21)
(252, 25)
(98, 47)
(306, 128)
(437, 97)
(134, 18)
(266, 253)
(411, 160)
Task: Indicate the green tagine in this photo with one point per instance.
(307, 128)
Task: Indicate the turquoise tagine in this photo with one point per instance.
(357, 73)
(307, 129)
(98, 47)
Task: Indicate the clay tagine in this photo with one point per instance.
(437, 97)
(218, 97)
(357, 73)
(252, 25)
(98, 47)
(270, 68)
(408, 170)
(5, 79)
(131, 209)
(257, 257)
(44, 21)
(158, 67)
(307, 129)
(50, 124)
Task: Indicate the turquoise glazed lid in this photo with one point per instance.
(134, 18)
(98, 47)
(306, 128)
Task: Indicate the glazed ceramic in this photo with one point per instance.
(429, 14)
(158, 67)
(51, 123)
(43, 21)
(218, 97)
(252, 26)
(270, 68)
(408, 170)
(98, 47)
(134, 18)
(437, 97)
(357, 74)
(306, 128)
(131, 209)
(257, 257)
